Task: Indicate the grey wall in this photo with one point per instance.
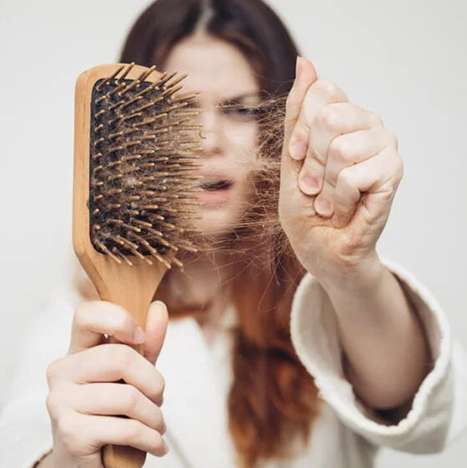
(404, 59)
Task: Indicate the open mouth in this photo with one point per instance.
(216, 190)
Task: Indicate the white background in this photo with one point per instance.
(404, 59)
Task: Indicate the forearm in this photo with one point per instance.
(385, 350)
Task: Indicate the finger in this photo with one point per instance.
(107, 430)
(352, 148)
(111, 363)
(305, 77)
(156, 329)
(107, 399)
(338, 119)
(346, 151)
(94, 319)
(377, 177)
(331, 122)
(320, 94)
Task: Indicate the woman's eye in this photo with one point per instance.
(192, 104)
(240, 112)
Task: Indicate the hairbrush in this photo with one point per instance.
(134, 189)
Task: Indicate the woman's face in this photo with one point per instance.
(224, 77)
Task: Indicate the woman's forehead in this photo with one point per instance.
(214, 67)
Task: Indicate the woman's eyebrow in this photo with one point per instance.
(239, 99)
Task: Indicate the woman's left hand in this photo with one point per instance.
(340, 172)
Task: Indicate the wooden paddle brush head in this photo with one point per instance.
(135, 152)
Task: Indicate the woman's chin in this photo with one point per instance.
(216, 221)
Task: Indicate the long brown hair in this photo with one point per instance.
(273, 400)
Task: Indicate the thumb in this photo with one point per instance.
(156, 328)
(305, 76)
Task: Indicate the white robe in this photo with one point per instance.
(346, 435)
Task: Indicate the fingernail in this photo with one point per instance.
(323, 206)
(309, 185)
(138, 335)
(298, 149)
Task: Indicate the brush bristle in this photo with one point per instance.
(144, 149)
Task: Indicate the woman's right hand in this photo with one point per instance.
(84, 396)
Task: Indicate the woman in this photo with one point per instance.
(316, 359)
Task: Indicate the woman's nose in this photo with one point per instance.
(211, 132)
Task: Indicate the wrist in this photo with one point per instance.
(354, 279)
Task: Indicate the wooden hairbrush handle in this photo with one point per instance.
(116, 456)
(132, 288)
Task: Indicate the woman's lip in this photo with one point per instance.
(214, 197)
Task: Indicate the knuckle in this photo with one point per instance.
(52, 405)
(162, 383)
(161, 423)
(121, 321)
(341, 149)
(157, 420)
(131, 399)
(344, 178)
(57, 401)
(89, 314)
(157, 446)
(81, 316)
(393, 140)
(159, 387)
(88, 317)
(375, 118)
(120, 356)
(156, 391)
(134, 430)
(326, 88)
(329, 117)
(53, 371)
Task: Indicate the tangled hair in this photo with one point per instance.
(273, 400)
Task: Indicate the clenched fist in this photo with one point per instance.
(340, 172)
